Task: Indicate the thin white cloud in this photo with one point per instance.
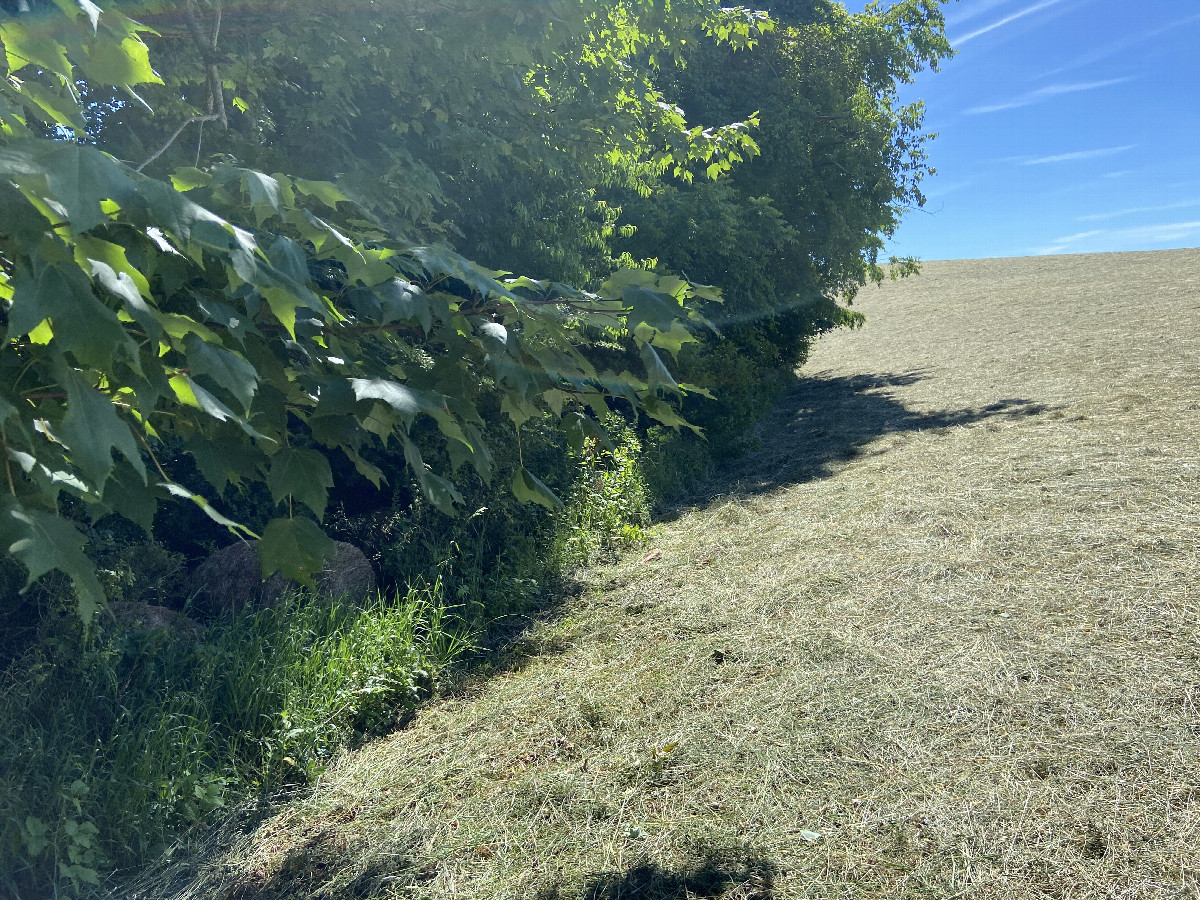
(1000, 23)
(1078, 154)
(1044, 93)
(1120, 174)
(1109, 238)
(959, 14)
(1134, 210)
(1115, 47)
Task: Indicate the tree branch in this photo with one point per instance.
(178, 131)
(211, 56)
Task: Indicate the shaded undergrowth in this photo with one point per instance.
(115, 743)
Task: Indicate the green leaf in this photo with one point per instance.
(366, 469)
(518, 408)
(402, 301)
(131, 497)
(528, 489)
(82, 324)
(223, 459)
(180, 326)
(302, 474)
(579, 427)
(169, 211)
(657, 374)
(651, 307)
(283, 304)
(409, 402)
(324, 191)
(229, 318)
(35, 836)
(671, 340)
(58, 108)
(296, 549)
(707, 292)
(119, 284)
(229, 370)
(74, 7)
(51, 483)
(180, 491)
(444, 261)
(23, 221)
(289, 260)
(615, 285)
(92, 428)
(44, 542)
(473, 450)
(437, 490)
(189, 178)
(127, 63)
(114, 256)
(494, 337)
(665, 413)
(263, 190)
(34, 46)
(191, 394)
(79, 178)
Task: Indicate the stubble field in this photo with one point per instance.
(939, 637)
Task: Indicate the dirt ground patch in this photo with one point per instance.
(937, 638)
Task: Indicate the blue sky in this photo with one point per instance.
(1065, 126)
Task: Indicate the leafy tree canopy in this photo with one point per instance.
(227, 231)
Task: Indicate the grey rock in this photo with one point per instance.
(232, 578)
(132, 616)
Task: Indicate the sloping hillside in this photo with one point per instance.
(939, 637)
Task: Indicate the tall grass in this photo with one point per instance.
(114, 744)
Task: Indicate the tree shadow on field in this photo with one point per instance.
(825, 421)
(728, 875)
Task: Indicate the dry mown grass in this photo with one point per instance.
(938, 638)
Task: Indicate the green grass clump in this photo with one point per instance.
(115, 743)
(608, 507)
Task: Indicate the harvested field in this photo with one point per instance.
(938, 638)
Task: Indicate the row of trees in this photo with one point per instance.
(228, 230)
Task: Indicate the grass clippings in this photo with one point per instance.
(937, 639)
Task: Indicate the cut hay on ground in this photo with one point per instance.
(939, 638)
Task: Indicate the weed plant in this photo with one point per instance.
(608, 508)
(116, 743)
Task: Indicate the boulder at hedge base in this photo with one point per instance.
(232, 578)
